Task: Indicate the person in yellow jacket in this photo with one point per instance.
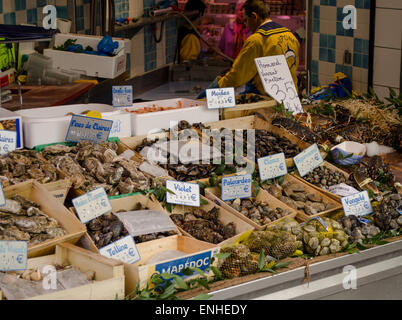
(188, 42)
(268, 39)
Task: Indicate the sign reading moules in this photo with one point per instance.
(221, 98)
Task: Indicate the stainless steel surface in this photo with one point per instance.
(171, 90)
(373, 267)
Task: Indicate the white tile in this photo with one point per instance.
(362, 31)
(343, 3)
(87, 13)
(383, 92)
(315, 53)
(20, 17)
(328, 13)
(331, 27)
(363, 16)
(325, 79)
(387, 66)
(160, 47)
(396, 4)
(137, 54)
(30, 4)
(316, 39)
(316, 2)
(386, 21)
(8, 6)
(339, 56)
(327, 68)
(136, 8)
(348, 43)
(1, 18)
(359, 87)
(61, 2)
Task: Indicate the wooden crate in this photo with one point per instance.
(109, 274)
(329, 194)
(264, 107)
(34, 191)
(290, 178)
(196, 250)
(224, 216)
(215, 193)
(59, 189)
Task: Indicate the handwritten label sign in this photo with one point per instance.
(221, 98)
(278, 82)
(236, 187)
(358, 204)
(187, 194)
(13, 255)
(308, 160)
(123, 249)
(2, 196)
(8, 141)
(92, 204)
(122, 96)
(272, 166)
(86, 128)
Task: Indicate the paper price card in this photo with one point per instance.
(122, 96)
(342, 190)
(8, 141)
(187, 194)
(86, 128)
(92, 204)
(13, 255)
(308, 160)
(123, 250)
(221, 98)
(272, 166)
(2, 196)
(235, 187)
(358, 204)
(278, 82)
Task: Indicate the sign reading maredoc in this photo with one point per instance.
(85, 128)
(236, 187)
(184, 193)
(278, 82)
(221, 98)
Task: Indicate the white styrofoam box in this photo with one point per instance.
(192, 111)
(7, 115)
(89, 64)
(49, 125)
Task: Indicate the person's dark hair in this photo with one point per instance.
(195, 5)
(259, 7)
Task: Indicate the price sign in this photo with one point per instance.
(13, 255)
(221, 98)
(8, 141)
(122, 96)
(308, 160)
(272, 166)
(342, 190)
(2, 196)
(278, 82)
(236, 187)
(358, 204)
(123, 249)
(187, 194)
(92, 204)
(85, 128)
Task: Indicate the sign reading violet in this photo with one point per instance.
(187, 194)
(85, 128)
(221, 98)
(308, 160)
(278, 82)
(357, 204)
(272, 166)
(236, 187)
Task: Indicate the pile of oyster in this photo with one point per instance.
(90, 166)
(324, 177)
(241, 261)
(21, 219)
(388, 216)
(204, 225)
(248, 98)
(295, 195)
(278, 244)
(106, 229)
(21, 165)
(357, 230)
(292, 226)
(258, 211)
(318, 241)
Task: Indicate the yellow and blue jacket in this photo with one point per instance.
(270, 39)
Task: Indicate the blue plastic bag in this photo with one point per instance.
(107, 46)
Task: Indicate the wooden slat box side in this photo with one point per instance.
(215, 193)
(34, 191)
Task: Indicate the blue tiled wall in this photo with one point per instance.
(330, 40)
(122, 8)
(171, 40)
(149, 49)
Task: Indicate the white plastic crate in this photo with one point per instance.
(192, 111)
(49, 125)
(89, 64)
